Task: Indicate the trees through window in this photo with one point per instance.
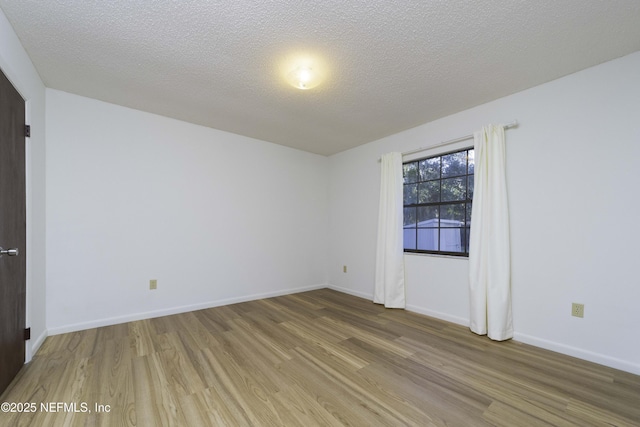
(438, 194)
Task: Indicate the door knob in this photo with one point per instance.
(10, 252)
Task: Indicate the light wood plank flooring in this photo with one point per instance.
(314, 358)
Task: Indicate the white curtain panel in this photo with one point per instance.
(489, 250)
(389, 281)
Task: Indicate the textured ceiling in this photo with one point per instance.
(391, 65)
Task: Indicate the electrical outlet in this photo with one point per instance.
(153, 284)
(577, 310)
(344, 268)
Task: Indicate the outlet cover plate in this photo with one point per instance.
(577, 310)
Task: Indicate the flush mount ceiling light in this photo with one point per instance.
(303, 71)
(303, 78)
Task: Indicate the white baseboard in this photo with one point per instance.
(38, 342)
(527, 339)
(175, 310)
(438, 315)
(350, 291)
(33, 346)
(601, 359)
(414, 308)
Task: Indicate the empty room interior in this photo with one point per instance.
(207, 238)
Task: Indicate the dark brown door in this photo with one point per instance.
(12, 232)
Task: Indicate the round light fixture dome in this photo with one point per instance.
(304, 77)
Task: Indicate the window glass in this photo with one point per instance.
(438, 194)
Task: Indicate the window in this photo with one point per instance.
(438, 193)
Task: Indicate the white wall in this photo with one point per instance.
(131, 196)
(18, 68)
(573, 181)
(214, 217)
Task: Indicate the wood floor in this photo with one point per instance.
(315, 358)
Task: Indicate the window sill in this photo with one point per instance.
(438, 256)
